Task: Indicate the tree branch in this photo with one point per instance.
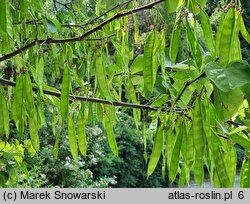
(85, 35)
(16, 52)
(62, 4)
(187, 84)
(105, 13)
(97, 100)
(33, 43)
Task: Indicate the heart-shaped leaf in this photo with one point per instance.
(235, 75)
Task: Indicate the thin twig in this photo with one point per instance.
(103, 38)
(236, 124)
(62, 4)
(222, 136)
(27, 22)
(187, 84)
(105, 13)
(85, 35)
(55, 7)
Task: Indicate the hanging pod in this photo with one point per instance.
(198, 132)
(108, 123)
(4, 114)
(226, 37)
(100, 74)
(157, 150)
(207, 31)
(150, 57)
(235, 52)
(245, 174)
(82, 141)
(17, 108)
(218, 34)
(64, 103)
(175, 157)
(194, 45)
(72, 138)
(219, 165)
(175, 38)
(243, 29)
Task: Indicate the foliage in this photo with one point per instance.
(46, 171)
(89, 54)
(130, 167)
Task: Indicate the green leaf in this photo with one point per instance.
(53, 25)
(160, 101)
(171, 6)
(202, 3)
(78, 10)
(237, 74)
(12, 173)
(150, 60)
(195, 49)
(3, 178)
(72, 139)
(157, 149)
(246, 90)
(175, 38)
(227, 104)
(207, 31)
(137, 64)
(82, 141)
(240, 139)
(29, 147)
(64, 104)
